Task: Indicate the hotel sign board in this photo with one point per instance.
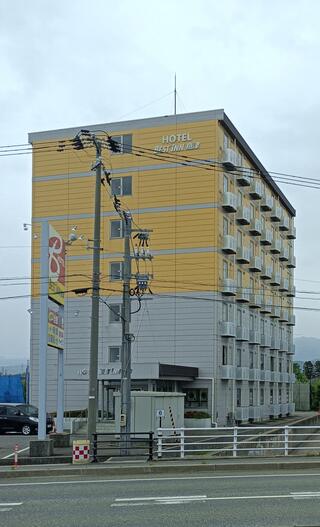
(179, 142)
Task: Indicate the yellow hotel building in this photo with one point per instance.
(219, 324)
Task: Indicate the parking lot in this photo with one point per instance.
(9, 441)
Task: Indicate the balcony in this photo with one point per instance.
(291, 408)
(266, 272)
(254, 375)
(228, 329)
(267, 375)
(255, 264)
(229, 202)
(291, 320)
(276, 214)
(243, 295)
(291, 348)
(227, 372)
(242, 414)
(255, 228)
(229, 159)
(243, 255)
(284, 224)
(284, 255)
(228, 287)
(274, 410)
(291, 291)
(292, 378)
(275, 343)
(254, 337)
(242, 333)
(267, 203)
(284, 316)
(275, 312)
(265, 341)
(284, 377)
(275, 279)
(242, 374)
(266, 305)
(284, 285)
(275, 376)
(244, 216)
(245, 178)
(229, 244)
(255, 300)
(255, 190)
(254, 412)
(284, 345)
(276, 246)
(266, 237)
(284, 408)
(292, 233)
(291, 264)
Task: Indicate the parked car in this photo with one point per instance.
(20, 417)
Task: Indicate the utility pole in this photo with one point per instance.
(175, 94)
(94, 338)
(125, 410)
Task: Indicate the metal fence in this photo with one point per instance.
(238, 441)
(106, 445)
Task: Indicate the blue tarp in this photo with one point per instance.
(11, 389)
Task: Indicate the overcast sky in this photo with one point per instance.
(70, 63)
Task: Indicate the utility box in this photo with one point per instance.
(150, 410)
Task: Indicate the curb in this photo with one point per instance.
(100, 470)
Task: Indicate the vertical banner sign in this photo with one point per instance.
(56, 288)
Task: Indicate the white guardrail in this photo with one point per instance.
(237, 441)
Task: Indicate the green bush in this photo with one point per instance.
(193, 414)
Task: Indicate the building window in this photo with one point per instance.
(116, 229)
(239, 239)
(251, 322)
(250, 396)
(240, 199)
(239, 357)
(251, 359)
(280, 365)
(239, 317)
(271, 395)
(261, 361)
(225, 226)
(272, 363)
(280, 395)
(261, 395)
(225, 183)
(196, 398)
(121, 186)
(114, 354)
(225, 269)
(124, 142)
(238, 397)
(114, 313)
(224, 355)
(225, 312)
(239, 278)
(115, 271)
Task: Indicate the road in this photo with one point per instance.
(243, 500)
(8, 442)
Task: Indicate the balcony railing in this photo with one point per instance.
(267, 203)
(242, 414)
(291, 264)
(243, 255)
(266, 237)
(292, 233)
(255, 300)
(229, 202)
(291, 348)
(265, 340)
(243, 295)
(275, 279)
(243, 216)
(229, 159)
(291, 320)
(255, 227)
(254, 337)
(284, 345)
(284, 224)
(227, 372)
(229, 244)
(266, 272)
(275, 343)
(266, 304)
(255, 264)
(227, 329)
(255, 190)
(276, 246)
(244, 177)
(242, 333)
(284, 316)
(284, 254)
(228, 287)
(284, 285)
(276, 214)
(291, 291)
(242, 374)
(275, 312)
(254, 375)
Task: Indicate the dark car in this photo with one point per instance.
(20, 417)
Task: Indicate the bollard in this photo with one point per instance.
(15, 463)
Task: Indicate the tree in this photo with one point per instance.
(317, 368)
(308, 369)
(300, 376)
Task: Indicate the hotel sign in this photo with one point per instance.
(177, 143)
(57, 254)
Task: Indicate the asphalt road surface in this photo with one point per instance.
(243, 500)
(8, 442)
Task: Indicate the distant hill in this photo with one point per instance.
(307, 348)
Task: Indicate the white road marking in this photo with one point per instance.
(135, 480)
(15, 504)
(153, 498)
(305, 495)
(11, 455)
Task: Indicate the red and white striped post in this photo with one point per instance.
(15, 464)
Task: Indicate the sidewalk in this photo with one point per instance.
(140, 468)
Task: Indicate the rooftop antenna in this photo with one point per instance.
(175, 94)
